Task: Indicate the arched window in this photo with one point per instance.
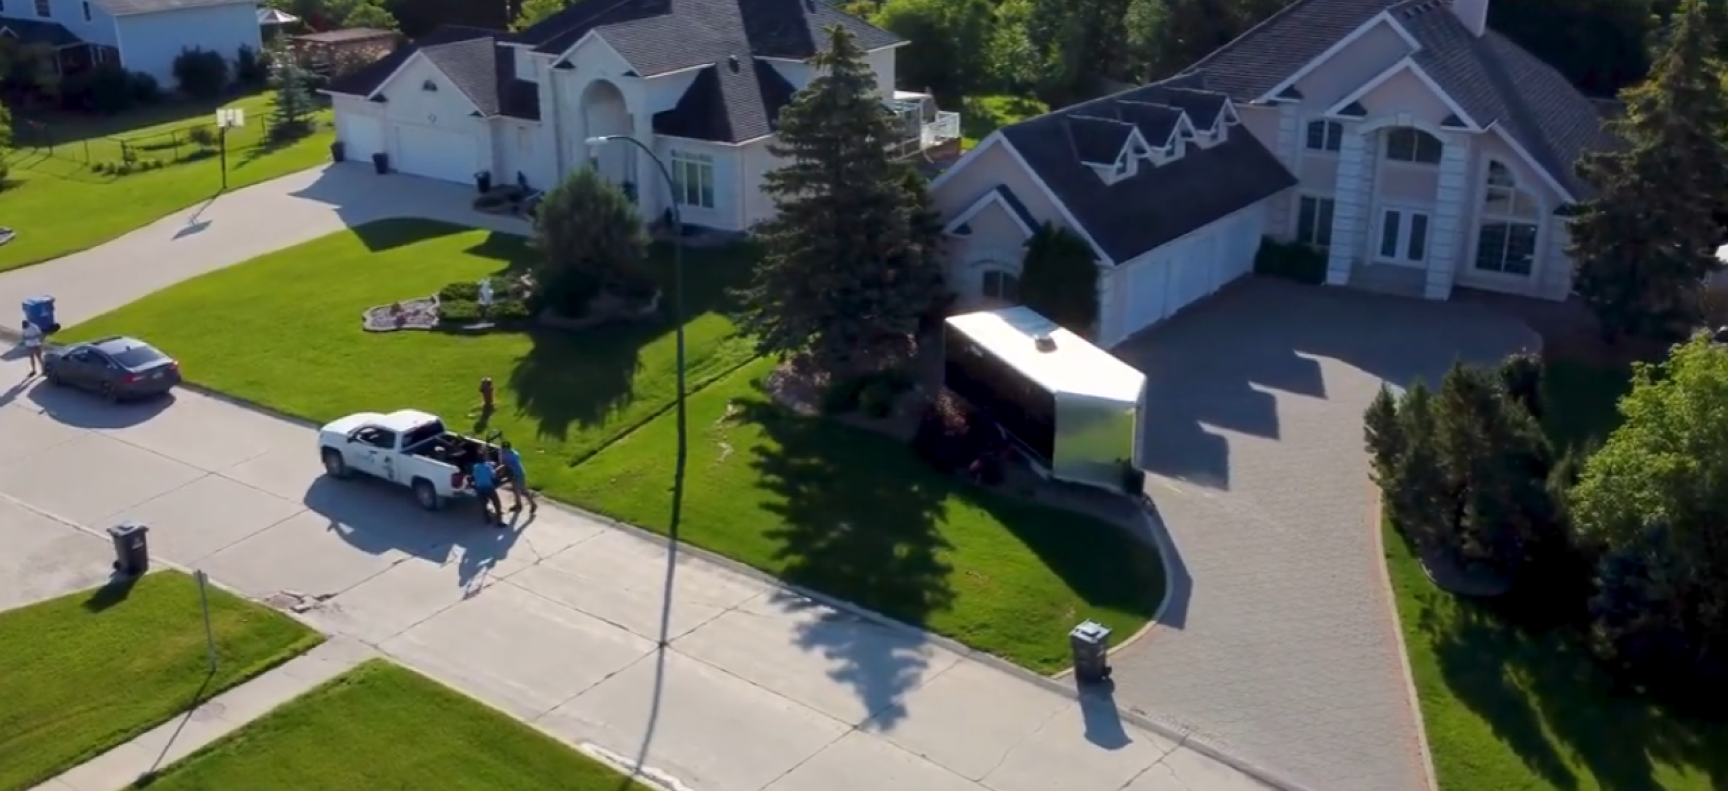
(1409, 144)
(1002, 285)
(428, 86)
(1511, 220)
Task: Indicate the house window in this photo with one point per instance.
(1403, 236)
(1407, 144)
(1001, 285)
(1511, 219)
(86, 12)
(1314, 221)
(42, 9)
(1325, 135)
(693, 179)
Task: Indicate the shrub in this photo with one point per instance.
(876, 398)
(951, 435)
(202, 136)
(106, 89)
(873, 392)
(1291, 261)
(144, 88)
(460, 291)
(201, 73)
(510, 310)
(458, 311)
(250, 68)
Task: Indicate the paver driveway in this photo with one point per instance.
(1280, 644)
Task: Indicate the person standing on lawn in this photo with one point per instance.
(485, 478)
(33, 347)
(518, 480)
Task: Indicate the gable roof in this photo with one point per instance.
(134, 7)
(471, 58)
(1159, 203)
(36, 31)
(1493, 79)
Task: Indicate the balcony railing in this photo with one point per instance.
(922, 125)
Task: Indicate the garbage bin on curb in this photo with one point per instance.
(131, 549)
(40, 312)
(1090, 642)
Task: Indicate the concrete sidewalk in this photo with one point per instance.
(704, 673)
(177, 738)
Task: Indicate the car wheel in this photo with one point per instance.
(54, 378)
(427, 495)
(334, 465)
(110, 393)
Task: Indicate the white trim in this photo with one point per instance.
(686, 70)
(1524, 154)
(1333, 51)
(806, 61)
(1405, 64)
(1377, 227)
(965, 159)
(714, 142)
(397, 72)
(595, 34)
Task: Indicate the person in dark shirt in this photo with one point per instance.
(518, 480)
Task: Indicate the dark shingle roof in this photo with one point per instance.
(472, 58)
(1494, 80)
(131, 7)
(31, 31)
(1094, 140)
(736, 97)
(1159, 203)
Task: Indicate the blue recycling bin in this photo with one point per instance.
(40, 312)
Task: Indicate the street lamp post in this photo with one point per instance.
(677, 314)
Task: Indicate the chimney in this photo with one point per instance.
(1473, 13)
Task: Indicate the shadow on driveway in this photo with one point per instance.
(377, 517)
(80, 409)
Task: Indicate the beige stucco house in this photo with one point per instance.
(699, 82)
(1419, 149)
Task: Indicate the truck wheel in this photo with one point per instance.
(427, 495)
(334, 465)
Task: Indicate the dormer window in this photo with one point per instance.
(429, 86)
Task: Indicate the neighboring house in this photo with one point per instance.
(140, 35)
(1420, 150)
(700, 82)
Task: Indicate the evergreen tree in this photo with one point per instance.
(292, 115)
(1645, 242)
(850, 263)
(1384, 435)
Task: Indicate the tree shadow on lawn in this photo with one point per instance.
(892, 562)
(388, 234)
(1524, 680)
(583, 377)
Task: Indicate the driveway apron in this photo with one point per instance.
(1280, 643)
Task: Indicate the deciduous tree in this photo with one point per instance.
(850, 263)
(590, 239)
(950, 44)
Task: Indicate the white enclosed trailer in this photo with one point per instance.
(1070, 407)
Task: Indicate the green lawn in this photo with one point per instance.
(842, 511)
(59, 204)
(1518, 708)
(290, 337)
(981, 115)
(83, 673)
(380, 726)
(856, 515)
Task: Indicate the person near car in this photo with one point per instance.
(518, 480)
(33, 346)
(485, 478)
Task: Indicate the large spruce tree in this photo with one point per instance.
(1647, 239)
(850, 263)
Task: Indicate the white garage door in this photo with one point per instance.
(1197, 271)
(1148, 293)
(433, 153)
(362, 135)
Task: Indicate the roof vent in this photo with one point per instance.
(1044, 343)
(732, 63)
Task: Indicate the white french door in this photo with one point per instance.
(1402, 236)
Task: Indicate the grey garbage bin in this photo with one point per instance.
(131, 549)
(1090, 642)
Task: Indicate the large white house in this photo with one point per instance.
(1419, 149)
(700, 82)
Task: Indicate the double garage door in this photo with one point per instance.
(1190, 270)
(414, 149)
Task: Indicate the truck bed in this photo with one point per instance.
(453, 449)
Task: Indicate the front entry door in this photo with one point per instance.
(1402, 237)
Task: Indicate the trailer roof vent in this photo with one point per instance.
(1043, 342)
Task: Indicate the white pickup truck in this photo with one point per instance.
(408, 448)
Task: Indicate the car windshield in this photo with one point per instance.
(138, 357)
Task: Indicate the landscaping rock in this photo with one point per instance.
(7, 235)
(409, 314)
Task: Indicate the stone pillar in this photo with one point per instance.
(1446, 240)
(1288, 145)
(1350, 202)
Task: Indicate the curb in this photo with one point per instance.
(1182, 737)
(1424, 752)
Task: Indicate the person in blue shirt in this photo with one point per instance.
(518, 481)
(485, 479)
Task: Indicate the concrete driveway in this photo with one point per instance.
(232, 228)
(1280, 643)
